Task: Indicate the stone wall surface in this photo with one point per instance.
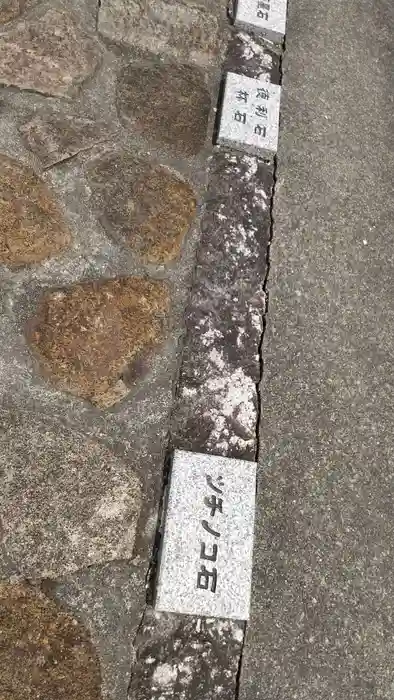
(106, 118)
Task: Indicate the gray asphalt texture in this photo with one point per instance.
(322, 622)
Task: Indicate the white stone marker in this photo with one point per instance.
(206, 556)
(250, 115)
(267, 17)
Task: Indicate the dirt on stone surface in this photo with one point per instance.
(45, 654)
(87, 337)
(168, 102)
(31, 225)
(148, 206)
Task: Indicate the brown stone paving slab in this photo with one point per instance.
(168, 103)
(108, 600)
(148, 206)
(65, 500)
(217, 398)
(48, 52)
(45, 654)
(31, 225)
(186, 30)
(186, 658)
(55, 135)
(95, 338)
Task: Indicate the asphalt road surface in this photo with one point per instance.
(323, 596)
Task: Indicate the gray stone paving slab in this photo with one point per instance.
(32, 59)
(267, 17)
(54, 136)
(66, 501)
(206, 558)
(322, 605)
(250, 115)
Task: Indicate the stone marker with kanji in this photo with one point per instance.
(206, 558)
(250, 115)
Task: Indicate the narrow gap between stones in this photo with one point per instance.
(150, 578)
(260, 353)
(265, 282)
(67, 159)
(151, 573)
(265, 314)
(135, 647)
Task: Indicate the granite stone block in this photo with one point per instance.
(71, 335)
(48, 52)
(167, 103)
(55, 135)
(250, 115)
(206, 558)
(32, 227)
(267, 17)
(45, 652)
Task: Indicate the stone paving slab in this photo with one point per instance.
(54, 136)
(249, 115)
(217, 401)
(188, 31)
(44, 649)
(48, 51)
(42, 232)
(65, 501)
